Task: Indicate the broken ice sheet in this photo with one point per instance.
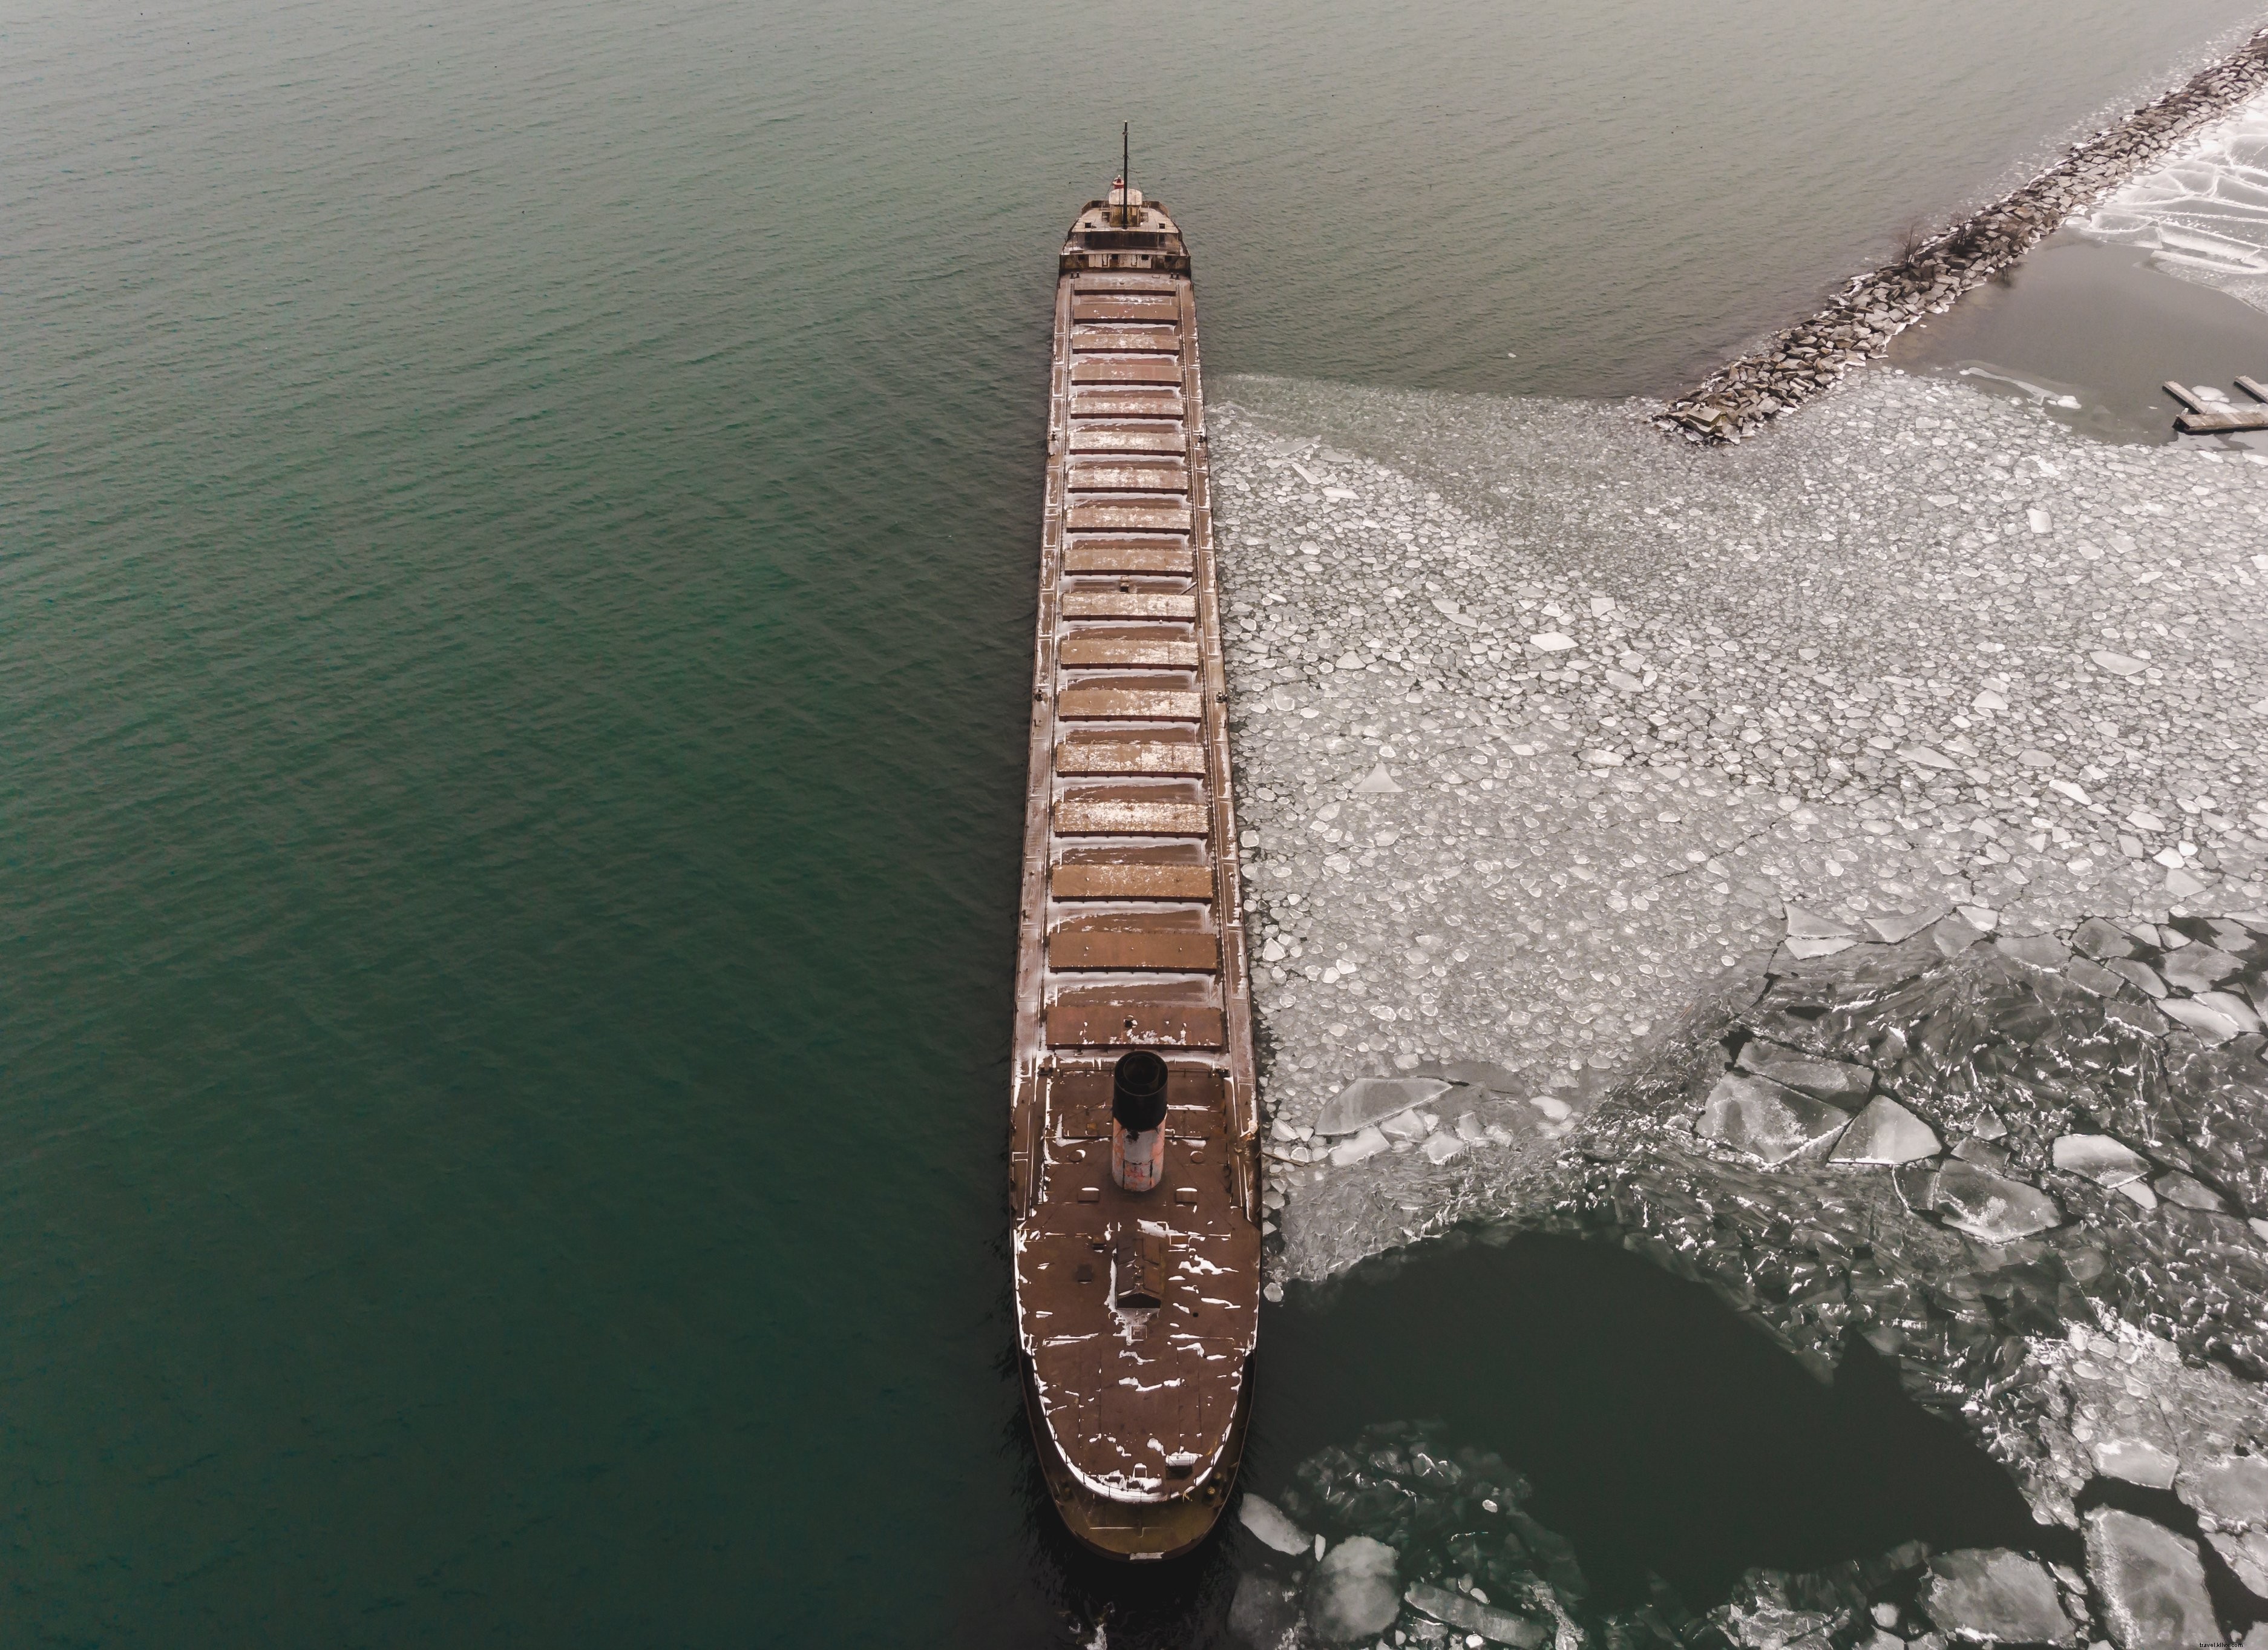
(1767, 1121)
(1994, 1596)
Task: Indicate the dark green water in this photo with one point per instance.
(516, 531)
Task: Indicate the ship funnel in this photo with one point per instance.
(1138, 1120)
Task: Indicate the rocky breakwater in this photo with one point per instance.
(1858, 322)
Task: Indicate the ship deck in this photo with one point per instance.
(1136, 1312)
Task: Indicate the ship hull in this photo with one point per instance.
(1137, 1310)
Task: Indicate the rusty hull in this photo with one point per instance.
(1136, 1312)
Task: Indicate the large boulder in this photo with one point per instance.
(1991, 1595)
(1353, 1592)
(2149, 1584)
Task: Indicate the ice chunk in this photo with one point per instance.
(1267, 1521)
(2149, 1582)
(2209, 1023)
(2248, 1556)
(2175, 1186)
(1832, 1081)
(1360, 1146)
(1956, 934)
(2097, 939)
(2105, 1161)
(1988, 1205)
(2231, 1007)
(2116, 664)
(1804, 924)
(2042, 951)
(1469, 1615)
(2135, 1461)
(1353, 1592)
(1369, 1100)
(1905, 925)
(2229, 1492)
(1377, 782)
(1884, 1132)
(2198, 967)
(1551, 642)
(1406, 1125)
(1806, 949)
(1991, 1595)
(1441, 1147)
(1758, 1116)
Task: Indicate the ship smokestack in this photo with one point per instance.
(1138, 1120)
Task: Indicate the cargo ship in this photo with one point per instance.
(1133, 1151)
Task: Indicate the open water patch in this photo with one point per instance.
(1555, 1422)
(2036, 335)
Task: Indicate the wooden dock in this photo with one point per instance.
(1136, 1312)
(2206, 417)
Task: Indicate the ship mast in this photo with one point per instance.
(1125, 173)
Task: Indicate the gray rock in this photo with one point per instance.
(1264, 1615)
(1469, 1615)
(2149, 1584)
(1832, 1081)
(1353, 1592)
(2099, 1158)
(1269, 1524)
(2228, 1491)
(1884, 1132)
(1758, 1116)
(1369, 1100)
(1991, 1595)
(1988, 1205)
